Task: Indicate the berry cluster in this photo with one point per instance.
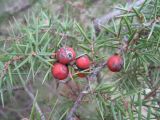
(67, 55)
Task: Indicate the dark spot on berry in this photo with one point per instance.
(70, 56)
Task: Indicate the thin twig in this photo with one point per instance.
(30, 94)
(152, 93)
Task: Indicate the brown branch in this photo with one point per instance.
(90, 77)
(107, 17)
(73, 110)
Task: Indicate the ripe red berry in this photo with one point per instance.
(115, 63)
(65, 55)
(80, 74)
(60, 71)
(83, 62)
